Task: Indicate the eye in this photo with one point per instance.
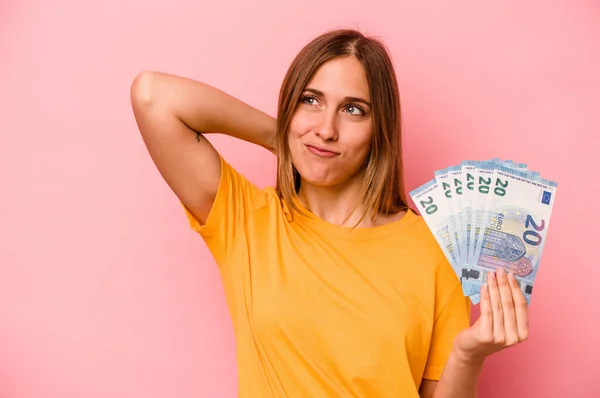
(355, 110)
(309, 100)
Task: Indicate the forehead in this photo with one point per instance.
(341, 77)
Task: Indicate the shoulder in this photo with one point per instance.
(242, 189)
(267, 206)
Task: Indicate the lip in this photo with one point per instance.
(320, 151)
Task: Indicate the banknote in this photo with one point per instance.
(516, 218)
(436, 205)
(436, 211)
(488, 215)
(451, 206)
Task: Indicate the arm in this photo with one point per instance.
(173, 112)
(503, 323)
(459, 379)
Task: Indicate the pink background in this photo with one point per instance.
(106, 292)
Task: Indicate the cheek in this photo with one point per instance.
(360, 141)
(298, 128)
(293, 139)
(365, 143)
(299, 125)
(294, 142)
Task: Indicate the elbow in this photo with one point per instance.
(143, 89)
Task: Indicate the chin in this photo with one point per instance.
(318, 183)
(320, 178)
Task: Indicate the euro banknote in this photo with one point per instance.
(487, 215)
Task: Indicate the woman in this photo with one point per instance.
(335, 287)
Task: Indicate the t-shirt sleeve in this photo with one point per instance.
(236, 198)
(452, 315)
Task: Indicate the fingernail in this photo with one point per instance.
(485, 287)
(511, 276)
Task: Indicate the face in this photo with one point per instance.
(330, 132)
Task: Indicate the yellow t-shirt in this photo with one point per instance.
(325, 311)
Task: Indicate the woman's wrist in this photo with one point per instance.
(464, 359)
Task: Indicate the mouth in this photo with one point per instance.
(321, 152)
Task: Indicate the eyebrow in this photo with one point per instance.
(347, 99)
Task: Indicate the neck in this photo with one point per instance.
(339, 205)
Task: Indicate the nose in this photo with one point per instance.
(326, 128)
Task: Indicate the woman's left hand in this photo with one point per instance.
(503, 323)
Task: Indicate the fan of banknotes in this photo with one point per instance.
(487, 215)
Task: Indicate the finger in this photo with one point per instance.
(508, 308)
(521, 310)
(486, 324)
(498, 317)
